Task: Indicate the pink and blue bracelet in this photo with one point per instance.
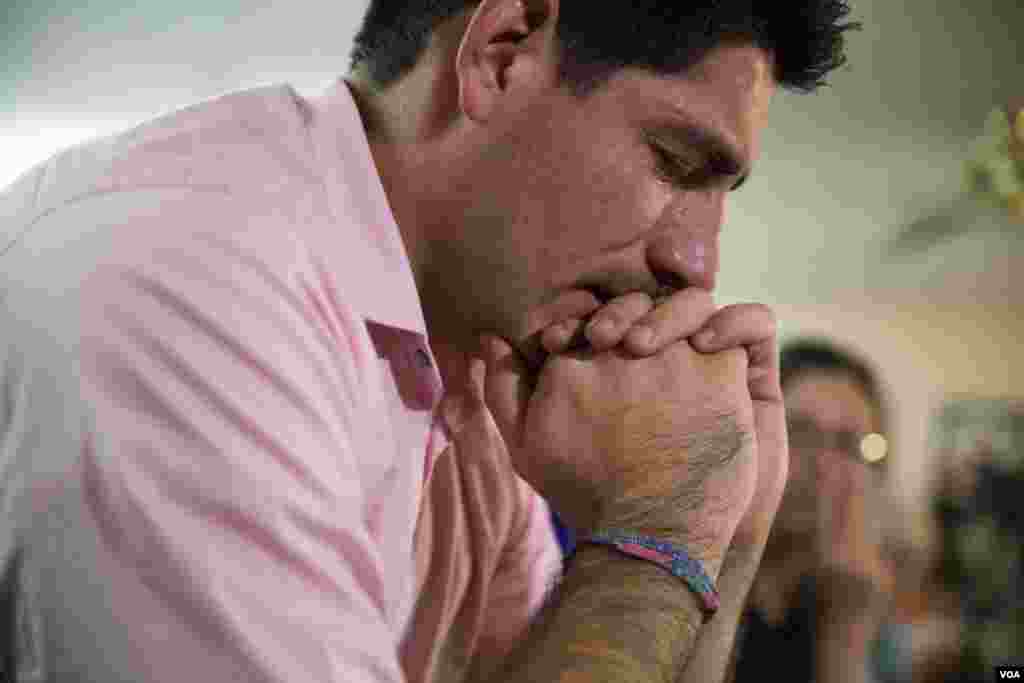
(672, 558)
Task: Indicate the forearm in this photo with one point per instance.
(844, 653)
(613, 618)
(713, 650)
(849, 617)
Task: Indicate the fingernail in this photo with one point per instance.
(643, 335)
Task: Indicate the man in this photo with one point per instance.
(819, 601)
(221, 435)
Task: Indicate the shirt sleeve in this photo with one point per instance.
(220, 466)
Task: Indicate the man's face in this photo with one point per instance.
(605, 194)
(828, 415)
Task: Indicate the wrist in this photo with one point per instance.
(672, 558)
(736, 579)
(610, 618)
(702, 545)
(608, 574)
(852, 639)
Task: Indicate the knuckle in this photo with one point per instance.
(735, 356)
(553, 339)
(639, 298)
(700, 297)
(631, 305)
(767, 314)
(689, 304)
(762, 314)
(606, 318)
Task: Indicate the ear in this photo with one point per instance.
(508, 43)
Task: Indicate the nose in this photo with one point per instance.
(685, 254)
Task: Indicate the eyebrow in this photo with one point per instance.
(724, 158)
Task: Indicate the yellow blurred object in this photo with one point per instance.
(1015, 205)
(873, 448)
(1017, 138)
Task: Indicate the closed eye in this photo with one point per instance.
(686, 166)
(675, 169)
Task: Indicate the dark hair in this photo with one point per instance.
(804, 356)
(664, 36)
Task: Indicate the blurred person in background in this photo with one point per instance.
(819, 605)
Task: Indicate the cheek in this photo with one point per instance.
(611, 202)
(588, 186)
(698, 212)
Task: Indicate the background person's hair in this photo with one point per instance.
(801, 357)
(598, 39)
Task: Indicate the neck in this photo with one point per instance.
(400, 162)
(409, 154)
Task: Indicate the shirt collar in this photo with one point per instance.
(375, 269)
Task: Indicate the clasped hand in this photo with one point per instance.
(679, 432)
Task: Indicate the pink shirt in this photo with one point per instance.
(220, 454)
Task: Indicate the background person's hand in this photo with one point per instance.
(662, 444)
(851, 565)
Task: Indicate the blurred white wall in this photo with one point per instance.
(73, 70)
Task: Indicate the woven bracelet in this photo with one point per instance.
(667, 556)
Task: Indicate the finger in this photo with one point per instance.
(772, 474)
(752, 326)
(563, 336)
(571, 306)
(506, 386)
(844, 506)
(827, 516)
(841, 525)
(678, 317)
(856, 499)
(611, 322)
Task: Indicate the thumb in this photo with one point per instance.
(506, 387)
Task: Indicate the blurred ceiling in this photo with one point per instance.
(842, 169)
